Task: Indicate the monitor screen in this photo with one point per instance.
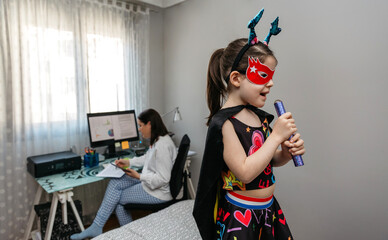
(108, 128)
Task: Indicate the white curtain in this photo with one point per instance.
(60, 59)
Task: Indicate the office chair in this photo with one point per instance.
(178, 179)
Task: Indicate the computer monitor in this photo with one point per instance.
(108, 128)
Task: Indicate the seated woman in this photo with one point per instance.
(151, 186)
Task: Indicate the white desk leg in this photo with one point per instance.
(53, 211)
(64, 213)
(70, 200)
(32, 213)
(190, 183)
(191, 188)
(62, 196)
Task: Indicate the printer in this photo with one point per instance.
(52, 163)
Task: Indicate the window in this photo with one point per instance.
(106, 88)
(56, 89)
(52, 91)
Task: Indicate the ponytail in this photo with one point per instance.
(216, 88)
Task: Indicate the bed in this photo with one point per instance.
(174, 222)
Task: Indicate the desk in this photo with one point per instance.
(186, 169)
(61, 186)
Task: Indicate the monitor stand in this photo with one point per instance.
(112, 153)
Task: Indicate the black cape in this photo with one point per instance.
(212, 164)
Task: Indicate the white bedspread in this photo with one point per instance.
(174, 222)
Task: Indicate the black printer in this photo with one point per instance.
(52, 163)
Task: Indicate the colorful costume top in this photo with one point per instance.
(212, 164)
(251, 138)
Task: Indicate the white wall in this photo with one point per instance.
(332, 75)
(156, 61)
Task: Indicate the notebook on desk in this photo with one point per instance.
(110, 171)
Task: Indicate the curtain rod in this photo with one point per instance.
(127, 5)
(152, 8)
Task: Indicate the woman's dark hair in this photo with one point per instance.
(220, 64)
(157, 126)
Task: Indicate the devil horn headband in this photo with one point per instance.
(251, 25)
(275, 30)
(252, 40)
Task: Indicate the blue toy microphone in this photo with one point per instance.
(298, 161)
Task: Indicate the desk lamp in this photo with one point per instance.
(177, 117)
(177, 114)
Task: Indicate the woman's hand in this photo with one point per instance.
(284, 127)
(122, 163)
(132, 173)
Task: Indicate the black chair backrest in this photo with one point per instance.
(176, 181)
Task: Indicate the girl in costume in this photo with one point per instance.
(151, 186)
(235, 191)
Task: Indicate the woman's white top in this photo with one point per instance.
(157, 164)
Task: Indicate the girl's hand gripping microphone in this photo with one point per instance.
(298, 161)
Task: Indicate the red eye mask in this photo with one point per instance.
(257, 72)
